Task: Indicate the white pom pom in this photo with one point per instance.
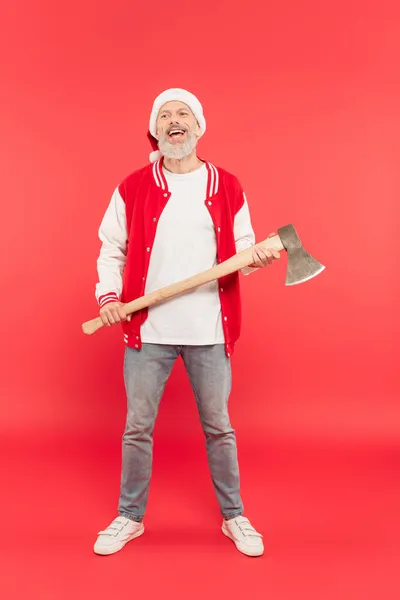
(153, 156)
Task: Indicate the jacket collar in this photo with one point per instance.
(212, 182)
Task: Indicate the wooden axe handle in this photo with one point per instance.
(235, 263)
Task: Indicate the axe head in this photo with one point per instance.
(301, 265)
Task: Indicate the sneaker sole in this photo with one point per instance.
(240, 546)
(118, 546)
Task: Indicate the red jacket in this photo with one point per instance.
(145, 193)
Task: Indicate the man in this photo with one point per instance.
(173, 218)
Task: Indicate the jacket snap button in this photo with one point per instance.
(148, 249)
(225, 318)
(209, 203)
(165, 195)
(154, 219)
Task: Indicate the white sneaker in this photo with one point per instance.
(118, 533)
(243, 534)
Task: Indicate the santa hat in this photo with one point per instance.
(167, 96)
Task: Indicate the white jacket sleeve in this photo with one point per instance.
(243, 231)
(111, 261)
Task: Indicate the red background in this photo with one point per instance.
(302, 104)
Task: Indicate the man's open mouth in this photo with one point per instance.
(176, 133)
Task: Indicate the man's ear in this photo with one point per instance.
(198, 130)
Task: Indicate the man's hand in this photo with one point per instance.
(263, 256)
(113, 313)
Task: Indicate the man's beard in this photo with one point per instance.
(177, 151)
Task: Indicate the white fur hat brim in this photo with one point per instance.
(182, 96)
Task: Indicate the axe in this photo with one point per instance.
(301, 267)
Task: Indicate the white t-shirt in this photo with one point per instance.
(185, 244)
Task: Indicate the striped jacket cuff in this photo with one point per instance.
(107, 298)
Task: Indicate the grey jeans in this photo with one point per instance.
(146, 373)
